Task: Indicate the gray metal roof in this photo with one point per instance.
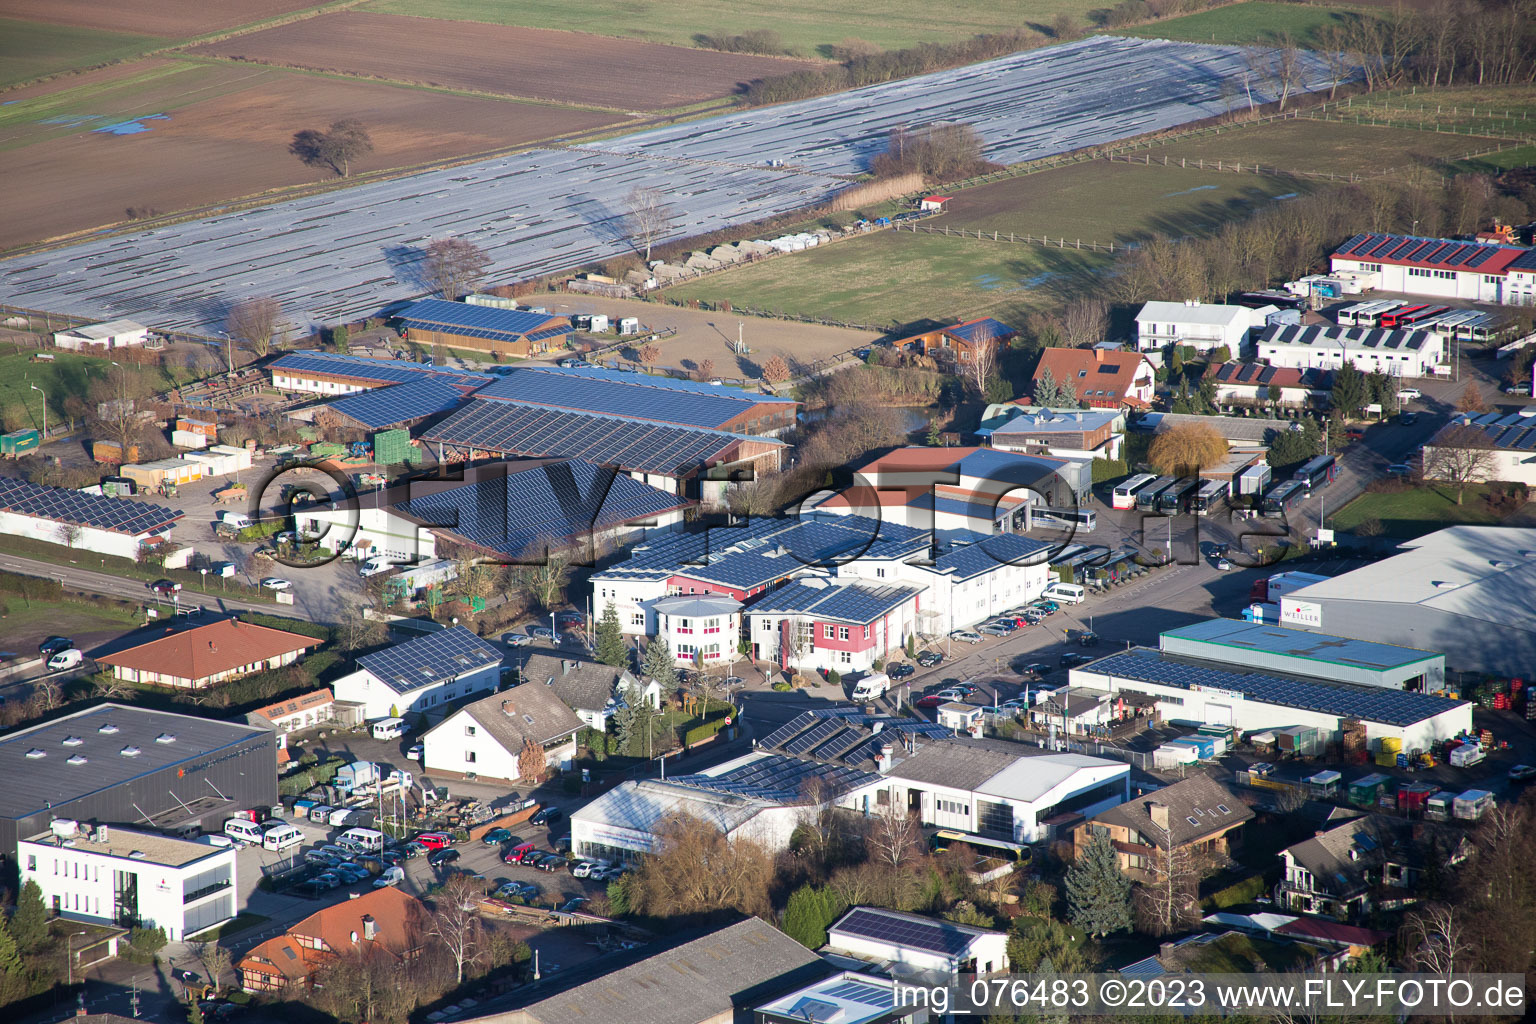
(431, 658)
(629, 396)
(100, 736)
(1357, 338)
(378, 372)
(1296, 643)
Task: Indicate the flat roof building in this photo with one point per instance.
(328, 373)
(851, 997)
(1469, 591)
(918, 943)
(1299, 652)
(89, 522)
(133, 766)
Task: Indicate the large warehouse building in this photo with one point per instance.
(1469, 591)
(1192, 690)
(1298, 652)
(120, 765)
(1442, 267)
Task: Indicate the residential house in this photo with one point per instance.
(1197, 325)
(1195, 816)
(198, 658)
(1101, 378)
(1510, 439)
(383, 922)
(1259, 384)
(918, 943)
(1341, 872)
(1370, 350)
(589, 688)
(703, 631)
(1062, 434)
(422, 675)
(831, 624)
(1229, 952)
(306, 711)
(956, 344)
(486, 738)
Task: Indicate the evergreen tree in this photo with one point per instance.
(1175, 360)
(10, 956)
(659, 663)
(1337, 436)
(1350, 389)
(29, 925)
(1047, 391)
(935, 436)
(998, 389)
(194, 1010)
(611, 649)
(1098, 895)
(809, 913)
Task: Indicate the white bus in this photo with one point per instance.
(1081, 519)
(1125, 492)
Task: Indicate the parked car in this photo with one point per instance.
(969, 636)
(584, 868)
(165, 588)
(1409, 393)
(1399, 469)
(573, 904)
(353, 873)
(415, 753)
(320, 857)
(1046, 607)
(901, 670)
(327, 880)
(517, 890)
(542, 633)
(1038, 668)
(517, 853)
(993, 629)
(1014, 704)
(1355, 434)
(437, 858)
(932, 700)
(1518, 389)
(68, 658)
(1088, 638)
(1522, 772)
(517, 639)
(546, 816)
(497, 836)
(928, 659)
(276, 583)
(413, 849)
(434, 840)
(1407, 417)
(393, 875)
(1073, 658)
(551, 862)
(53, 645)
(1223, 565)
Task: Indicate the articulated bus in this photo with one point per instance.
(1125, 493)
(1173, 500)
(1281, 497)
(1146, 498)
(1317, 473)
(1211, 494)
(1000, 849)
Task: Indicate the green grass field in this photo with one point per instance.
(67, 375)
(1415, 511)
(890, 279)
(1249, 23)
(807, 27)
(1520, 156)
(30, 49)
(1321, 146)
(1502, 111)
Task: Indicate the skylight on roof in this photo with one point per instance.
(34, 753)
(130, 751)
(72, 741)
(166, 737)
(75, 759)
(108, 729)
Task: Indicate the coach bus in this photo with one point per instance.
(1080, 519)
(1317, 473)
(1173, 500)
(1364, 314)
(1411, 321)
(1281, 497)
(1000, 849)
(1146, 498)
(1372, 317)
(1125, 493)
(1210, 495)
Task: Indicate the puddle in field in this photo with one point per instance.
(133, 127)
(1288, 195)
(1197, 188)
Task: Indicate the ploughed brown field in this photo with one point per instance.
(234, 141)
(176, 19)
(565, 67)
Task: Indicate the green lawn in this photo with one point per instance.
(1249, 23)
(67, 375)
(807, 27)
(37, 619)
(1521, 156)
(30, 49)
(1320, 146)
(1415, 511)
(890, 279)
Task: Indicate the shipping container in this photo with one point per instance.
(188, 439)
(207, 428)
(1366, 791)
(19, 442)
(1472, 805)
(1438, 806)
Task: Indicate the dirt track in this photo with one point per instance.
(175, 19)
(565, 67)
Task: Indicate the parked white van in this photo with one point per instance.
(243, 831)
(1066, 593)
(235, 520)
(373, 567)
(282, 838)
(388, 728)
(365, 840)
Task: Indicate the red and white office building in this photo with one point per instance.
(832, 623)
(702, 630)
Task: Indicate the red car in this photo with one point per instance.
(434, 840)
(517, 853)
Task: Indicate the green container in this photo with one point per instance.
(20, 442)
(394, 448)
(327, 450)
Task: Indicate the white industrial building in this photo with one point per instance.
(918, 943)
(422, 674)
(86, 522)
(486, 738)
(1197, 325)
(116, 876)
(1370, 350)
(1469, 591)
(112, 334)
(1512, 445)
(1442, 267)
(1300, 652)
(1196, 691)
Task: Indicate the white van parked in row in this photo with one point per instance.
(388, 728)
(281, 838)
(243, 831)
(361, 840)
(1066, 593)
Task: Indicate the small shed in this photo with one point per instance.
(1324, 785)
(933, 204)
(112, 334)
(1367, 791)
(960, 717)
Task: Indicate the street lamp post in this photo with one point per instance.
(69, 957)
(44, 396)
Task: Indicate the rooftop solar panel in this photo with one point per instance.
(453, 315)
(823, 732)
(939, 937)
(377, 371)
(430, 659)
(625, 395)
(1402, 246)
(399, 403)
(1459, 256)
(801, 722)
(863, 992)
(101, 512)
(1479, 258)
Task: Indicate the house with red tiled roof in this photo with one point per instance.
(1257, 382)
(1101, 378)
(382, 922)
(195, 659)
(954, 345)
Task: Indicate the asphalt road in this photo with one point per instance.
(98, 582)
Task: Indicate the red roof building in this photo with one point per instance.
(955, 344)
(195, 659)
(381, 922)
(1101, 378)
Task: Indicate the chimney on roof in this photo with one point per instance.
(234, 622)
(1165, 950)
(1098, 355)
(212, 646)
(1158, 813)
(883, 759)
(508, 708)
(566, 664)
(370, 927)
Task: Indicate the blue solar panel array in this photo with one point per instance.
(1376, 704)
(430, 659)
(928, 935)
(986, 554)
(120, 515)
(1432, 252)
(1363, 337)
(520, 512)
(377, 408)
(478, 321)
(852, 602)
(626, 395)
(994, 329)
(863, 992)
(696, 387)
(375, 371)
(510, 429)
(844, 734)
(781, 779)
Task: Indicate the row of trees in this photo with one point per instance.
(939, 152)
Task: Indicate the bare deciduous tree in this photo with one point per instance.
(648, 219)
(981, 361)
(1168, 900)
(696, 869)
(455, 266)
(649, 355)
(1434, 939)
(456, 922)
(893, 834)
(253, 322)
(1459, 455)
(1085, 321)
(775, 370)
(336, 147)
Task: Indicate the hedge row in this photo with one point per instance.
(1236, 894)
(703, 731)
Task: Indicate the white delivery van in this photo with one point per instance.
(392, 876)
(235, 520)
(243, 831)
(388, 728)
(341, 816)
(374, 566)
(366, 840)
(1065, 593)
(282, 838)
(871, 686)
(70, 658)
